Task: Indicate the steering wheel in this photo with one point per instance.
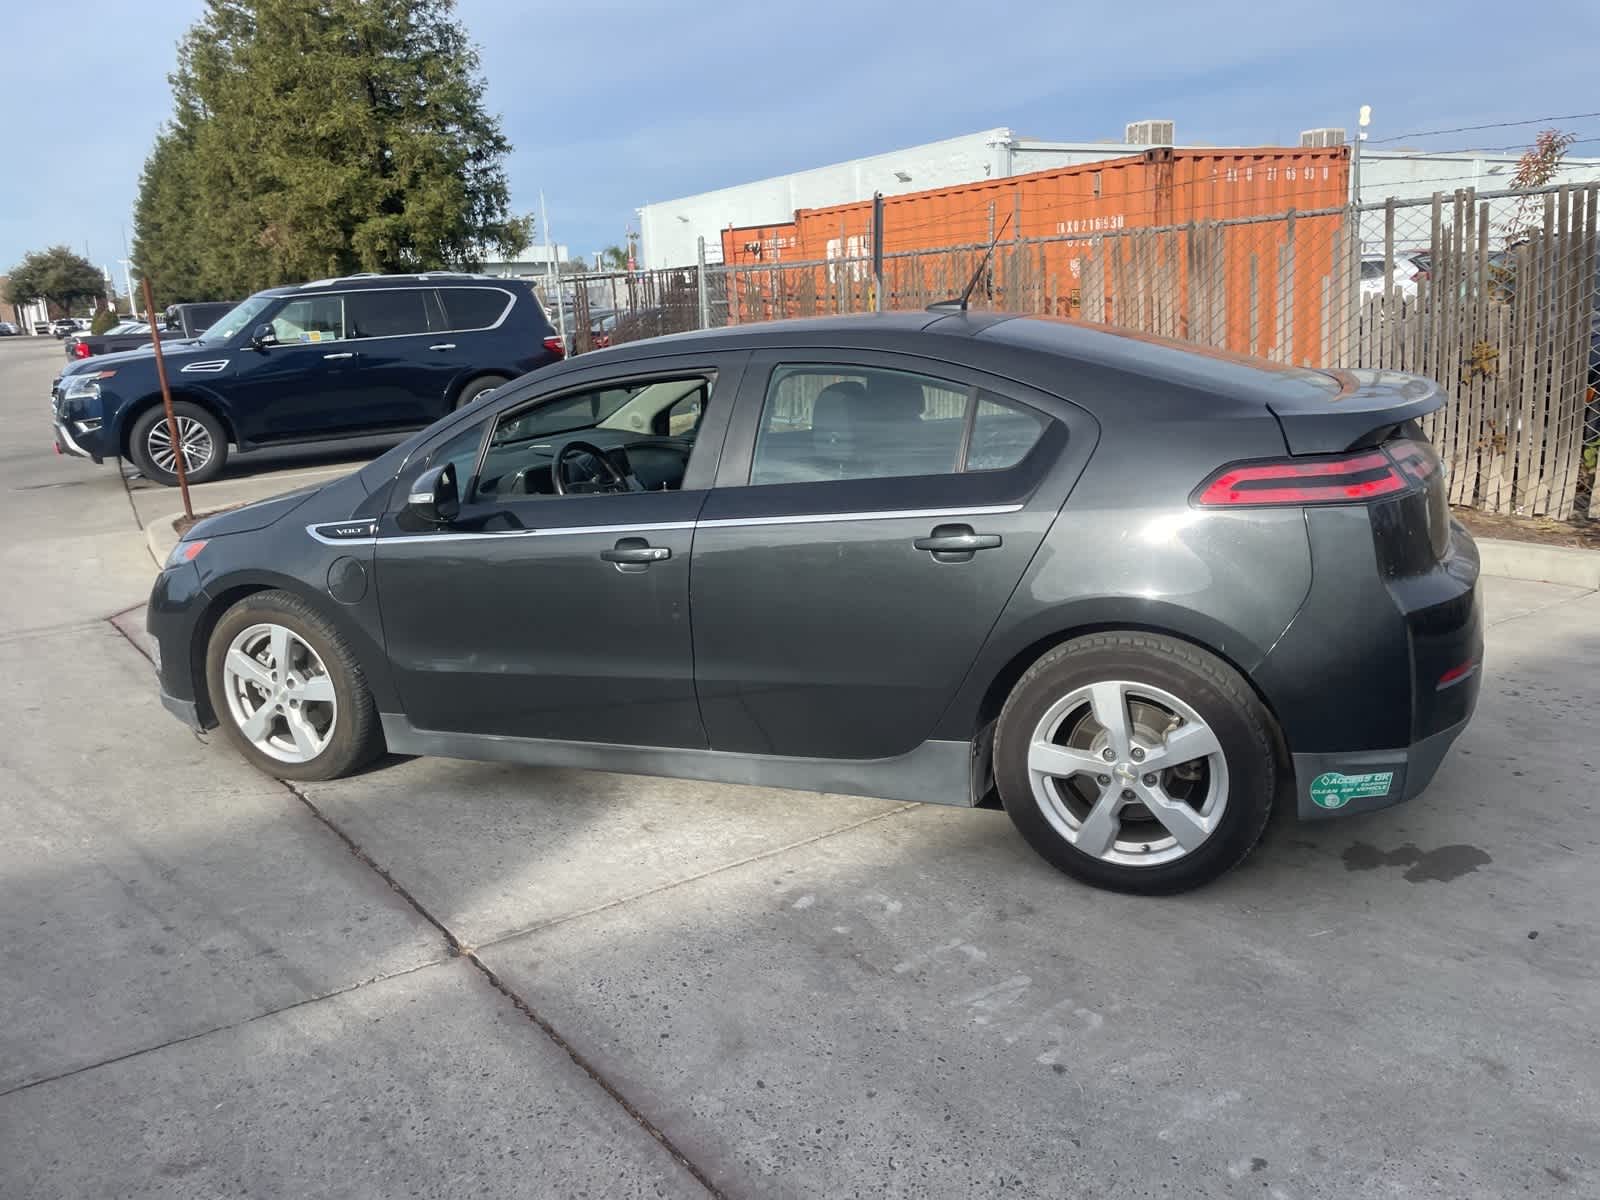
(606, 479)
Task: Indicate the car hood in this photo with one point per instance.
(252, 516)
(180, 349)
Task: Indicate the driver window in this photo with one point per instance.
(635, 435)
(310, 319)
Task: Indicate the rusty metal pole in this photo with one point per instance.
(166, 399)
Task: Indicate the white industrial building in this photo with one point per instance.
(671, 229)
(1418, 174)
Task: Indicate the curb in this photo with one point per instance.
(160, 537)
(1540, 564)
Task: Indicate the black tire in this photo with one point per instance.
(356, 736)
(155, 416)
(480, 385)
(1217, 693)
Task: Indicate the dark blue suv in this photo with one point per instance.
(362, 355)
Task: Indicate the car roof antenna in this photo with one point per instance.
(959, 303)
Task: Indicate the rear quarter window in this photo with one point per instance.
(473, 308)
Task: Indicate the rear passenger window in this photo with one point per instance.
(1002, 434)
(386, 313)
(825, 422)
(473, 308)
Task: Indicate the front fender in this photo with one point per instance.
(356, 622)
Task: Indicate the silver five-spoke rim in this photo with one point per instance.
(193, 436)
(279, 693)
(1128, 773)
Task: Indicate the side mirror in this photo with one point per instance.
(433, 497)
(262, 336)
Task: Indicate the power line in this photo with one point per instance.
(1400, 137)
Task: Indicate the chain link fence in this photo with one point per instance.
(1495, 295)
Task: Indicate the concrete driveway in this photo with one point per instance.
(442, 978)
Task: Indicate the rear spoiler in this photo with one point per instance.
(1362, 410)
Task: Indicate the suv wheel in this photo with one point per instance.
(201, 438)
(1136, 762)
(287, 691)
(484, 383)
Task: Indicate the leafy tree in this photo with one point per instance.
(1538, 166)
(57, 276)
(614, 258)
(322, 137)
(104, 319)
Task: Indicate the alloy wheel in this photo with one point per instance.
(279, 693)
(1128, 773)
(194, 439)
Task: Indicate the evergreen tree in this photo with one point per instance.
(322, 137)
(58, 276)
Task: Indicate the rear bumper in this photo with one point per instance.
(1338, 785)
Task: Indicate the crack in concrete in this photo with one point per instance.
(460, 949)
(239, 1024)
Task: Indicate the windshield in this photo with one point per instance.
(240, 317)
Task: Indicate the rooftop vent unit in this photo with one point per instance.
(1331, 136)
(1149, 133)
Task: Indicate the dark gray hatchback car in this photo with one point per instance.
(1131, 591)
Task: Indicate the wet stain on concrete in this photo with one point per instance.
(1423, 866)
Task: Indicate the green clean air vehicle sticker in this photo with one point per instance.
(1334, 790)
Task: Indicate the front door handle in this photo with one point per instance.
(956, 543)
(443, 346)
(346, 354)
(635, 554)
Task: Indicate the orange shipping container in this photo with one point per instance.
(1258, 297)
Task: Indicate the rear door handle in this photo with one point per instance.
(443, 346)
(346, 354)
(635, 554)
(956, 543)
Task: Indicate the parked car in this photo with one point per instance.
(191, 320)
(337, 358)
(1408, 267)
(7, 329)
(124, 335)
(1125, 589)
(63, 326)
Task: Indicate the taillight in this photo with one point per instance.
(1344, 479)
(1416, 459)
(80, 350)
(555, 345)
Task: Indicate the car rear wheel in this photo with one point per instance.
(485, 383)
(1136, 762)
(287, 690)
(201, 439)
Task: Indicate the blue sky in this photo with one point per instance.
(613, 105)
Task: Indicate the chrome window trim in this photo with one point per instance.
(438, 287)
(648, 526)
(988, 510)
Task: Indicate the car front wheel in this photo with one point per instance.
(287, 690)
(201, 439)
(1136, 762)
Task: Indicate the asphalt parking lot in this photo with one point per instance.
(443, 978)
